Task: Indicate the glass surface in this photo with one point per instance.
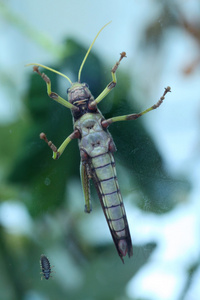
(157, 158)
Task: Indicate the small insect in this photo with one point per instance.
(45, 267)
(96, 148)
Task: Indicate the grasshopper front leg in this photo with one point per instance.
(58, 152)
(110, 86)
(107, 122)
(51, 94)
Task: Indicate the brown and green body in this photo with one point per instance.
(96, 149)
(97, 162)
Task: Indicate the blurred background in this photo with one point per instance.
(158, 157)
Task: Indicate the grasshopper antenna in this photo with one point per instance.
(86, 55)
(50, 69)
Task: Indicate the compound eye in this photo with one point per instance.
(68, 90)
(86, 85)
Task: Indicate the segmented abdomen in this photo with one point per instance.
(105, 178)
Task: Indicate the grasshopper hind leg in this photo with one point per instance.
(85, 179)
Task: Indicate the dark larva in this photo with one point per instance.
(45, 267)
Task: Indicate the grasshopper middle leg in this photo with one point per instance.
(107, 122)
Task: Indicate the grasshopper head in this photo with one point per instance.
(79, 95)
(78, 92)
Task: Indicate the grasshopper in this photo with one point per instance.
(96, 148)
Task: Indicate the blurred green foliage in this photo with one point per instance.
(46, 179)
(32, 177)
(42, 182)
